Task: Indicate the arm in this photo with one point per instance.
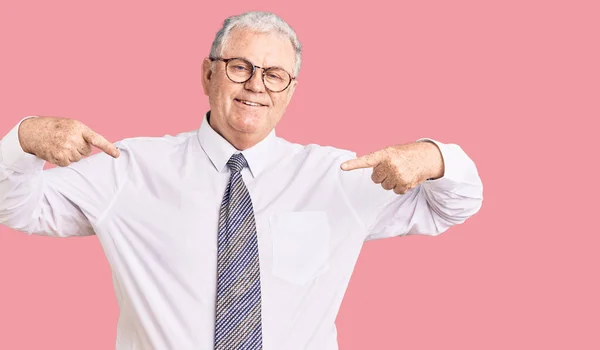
(430, 207)
(62, 201)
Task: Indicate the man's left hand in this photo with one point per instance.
(401, 167)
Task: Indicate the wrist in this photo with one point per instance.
(435, 168)
(23, 133)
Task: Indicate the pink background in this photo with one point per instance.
(515, 83)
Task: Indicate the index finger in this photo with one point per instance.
(367, 161)
(99, 141)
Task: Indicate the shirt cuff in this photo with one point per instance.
(454, 165)
(14, 157)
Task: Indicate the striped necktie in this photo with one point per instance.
(238, 321)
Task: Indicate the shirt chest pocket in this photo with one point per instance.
(300, 245)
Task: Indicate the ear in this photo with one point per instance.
(206, 74)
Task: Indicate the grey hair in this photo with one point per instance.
(262, 22)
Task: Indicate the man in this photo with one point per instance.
(230, 237)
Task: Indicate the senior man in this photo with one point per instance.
(230, 237)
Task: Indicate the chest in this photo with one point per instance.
(303, 224)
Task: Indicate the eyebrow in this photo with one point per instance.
(291, 72)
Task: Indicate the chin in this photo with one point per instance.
(248, 123)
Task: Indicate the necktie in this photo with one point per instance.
(238, 321)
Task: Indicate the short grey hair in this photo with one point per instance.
(262, 22)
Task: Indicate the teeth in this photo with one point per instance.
(249, 103)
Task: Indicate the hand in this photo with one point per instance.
(61, 141)
(402, 167)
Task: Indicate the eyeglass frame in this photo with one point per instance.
(227, 60)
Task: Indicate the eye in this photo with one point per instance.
(239, 68)
(274, 76)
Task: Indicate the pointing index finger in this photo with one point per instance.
(99, 141)
(367, 161)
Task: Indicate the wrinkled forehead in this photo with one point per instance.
(262, 49)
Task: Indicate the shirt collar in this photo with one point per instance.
(219, 150)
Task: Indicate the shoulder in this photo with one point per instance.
(155, 144)
(315, 152)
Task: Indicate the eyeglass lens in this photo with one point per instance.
(275, 79)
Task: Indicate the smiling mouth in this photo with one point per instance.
(249, 103)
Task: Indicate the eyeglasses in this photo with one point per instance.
(240, 70)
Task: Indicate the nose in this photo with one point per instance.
(255, 84)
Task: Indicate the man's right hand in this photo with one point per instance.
(61, 141)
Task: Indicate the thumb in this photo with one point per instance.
(100, 142)
(367, 161)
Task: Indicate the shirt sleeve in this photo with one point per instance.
(61, 201)
(429, 209)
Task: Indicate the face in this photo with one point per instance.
(242, 124)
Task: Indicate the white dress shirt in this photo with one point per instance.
(155, 212)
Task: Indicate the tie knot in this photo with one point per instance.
(237, 162)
